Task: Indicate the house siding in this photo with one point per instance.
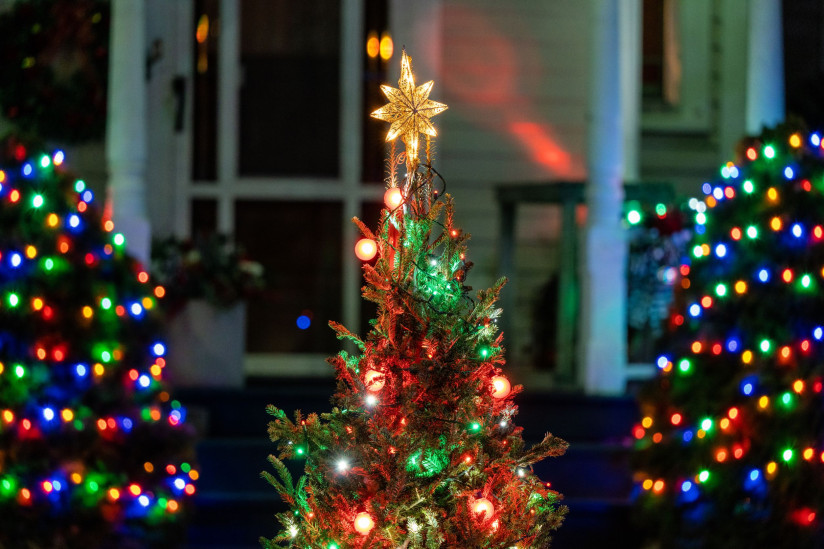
(514, 75)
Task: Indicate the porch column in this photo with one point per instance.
(603, 317)
(126, 126)
(765, 66)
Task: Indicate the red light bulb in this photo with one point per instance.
(393, 198)
(374, 380)
(365, 249)
(483, 506)
(500, 387)
(364, 523)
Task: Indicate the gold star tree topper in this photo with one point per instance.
(409, 110)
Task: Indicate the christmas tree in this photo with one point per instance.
(420, 449)
(730, 447)
(94, 452)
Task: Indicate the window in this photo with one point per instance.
(290, 92)
(283, 155)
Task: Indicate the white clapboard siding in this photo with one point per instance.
(514, 75)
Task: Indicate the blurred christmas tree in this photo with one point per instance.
(93, 450)
(730, 447)
(420, 449)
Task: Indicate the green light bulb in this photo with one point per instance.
(684, 365)
(752, 232)
(721, 290)
(748, 187)
(769, 151)
(764, 345)
(787, 454)
(37, 200)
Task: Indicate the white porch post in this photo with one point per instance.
(126, 125)
(751, 72)
(350, 152)
(630, 39)
(765, 65)
(603, 318)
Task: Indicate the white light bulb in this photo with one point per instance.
(343, 465)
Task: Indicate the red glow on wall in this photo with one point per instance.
(541, 147)
(498, 83)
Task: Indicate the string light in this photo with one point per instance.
(366, 249)
(500, 387)
(78, 229)
(484, 507)
(393, 198)
(364, 523)
(374, 380)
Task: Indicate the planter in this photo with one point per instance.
(206, 346)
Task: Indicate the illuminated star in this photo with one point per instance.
(409, 109)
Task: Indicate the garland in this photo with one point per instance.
(55, 63)
(658, 241)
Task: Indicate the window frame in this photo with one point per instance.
(348, 188)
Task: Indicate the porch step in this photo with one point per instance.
(242, 412)
(238, 523)
(234, 506)
(587, 470)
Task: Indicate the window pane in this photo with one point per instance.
(204, 123)
(299, 245)
(204, 218)
(652, 69)
(290, 95)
